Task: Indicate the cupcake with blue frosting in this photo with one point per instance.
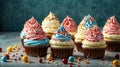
(33, 39)
(61, 43)
(87, 23)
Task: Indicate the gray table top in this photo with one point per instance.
(11, 38)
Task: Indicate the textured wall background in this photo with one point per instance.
(13, 13)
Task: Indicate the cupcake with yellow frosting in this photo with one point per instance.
(50, 24)
(111, 32)
(70, 26)
(87, 23)
(61, 44)
(33, 39)
(94, 44)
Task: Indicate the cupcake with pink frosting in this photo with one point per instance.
(87, 23)
(111, 32)
(33, 38)
(94, 45)
(70, 26)
(61, 43)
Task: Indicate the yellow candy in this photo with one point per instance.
(25, 58)
(9, 49)
(115, 62)
(15, 46)
(49, 57)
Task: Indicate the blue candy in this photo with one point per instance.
(71, 59)
(3, 58)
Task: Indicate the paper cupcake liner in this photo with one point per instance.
(61, 52)
(94, 53)
(35, 51)
(113, 46)
(79, 46)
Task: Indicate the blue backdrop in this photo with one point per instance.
(14, 13)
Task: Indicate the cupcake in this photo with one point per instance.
(87, 23)
(61, 44)
(50, 24)
(33, 39)
(94, 45)
(111, 32)
(70, 26)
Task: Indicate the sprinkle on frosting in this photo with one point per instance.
(69, 24)
(61, 34)
(94, 34)
(89, 22)
(112, 26)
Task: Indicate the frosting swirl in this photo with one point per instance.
(36, 42)
(94, 39)
(112, 26)
(33, 33)
(50, 24)
(34, 30)
(61, 39)
(94, 34)
(69, 24)
(87, 23)
(61, 34)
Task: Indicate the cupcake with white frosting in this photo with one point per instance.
(50, 24)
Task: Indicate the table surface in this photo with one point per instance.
(11, 38)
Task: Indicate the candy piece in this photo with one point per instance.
(25, 58)
(117, 56)
(13, 55)
(21, 55)
(40, 60)
(71, 59)
(19, 58)
(15, 46)
(49, 57)
(15, 59)
(9, 49)
(3, 58)
(64, 61)
(0, 49)
(8, 57)
(79, 58)
(115, 62)
(86, 61)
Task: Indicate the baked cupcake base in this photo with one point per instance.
(113, 46)
(61, 52)
(94, 53)
(35, 51)
(79, 46)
